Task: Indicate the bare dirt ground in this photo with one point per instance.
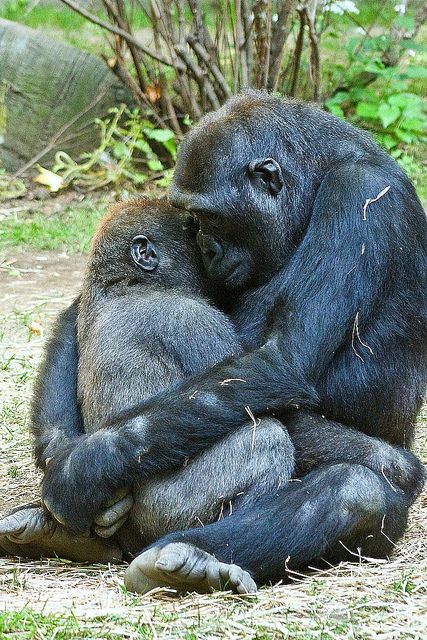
(362, 600)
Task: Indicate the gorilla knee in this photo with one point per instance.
(361, 491)
(272, 434)
(400, 468)
(376, 510)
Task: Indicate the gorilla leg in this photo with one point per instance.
(335, 512)
(253, 461)
(319, 441)
(353, 499)
(256, 457)
(31, 532)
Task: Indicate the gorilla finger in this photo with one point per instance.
(116, 512)
(172, 558)
(213, 576)
(242, 580)
(119, 495)
(107, 532)
(57, 517)
(26, 525)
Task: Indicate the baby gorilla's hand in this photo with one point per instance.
(82, 479)
(115, 515)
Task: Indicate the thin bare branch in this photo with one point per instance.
(125, 25)
(120, 32)
(310, 13)
(298, 52)
(247, 28)
(280, 32)
(203, 82)
(202, 33)
(262, 36)
(241, 52)
(203, 55)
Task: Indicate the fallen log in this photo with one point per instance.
(50, 91)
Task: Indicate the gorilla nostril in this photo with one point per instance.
(209, 253)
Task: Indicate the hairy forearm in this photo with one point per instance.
(160, 434)
(55, 416)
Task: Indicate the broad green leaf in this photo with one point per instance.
(121, 150)
(375, 66)
(160, 135)
(403, 100)
(404, 136)
(362, 94)
(416, 72)
(155, 165)
(416, 46)
(387, 141)
(170, 146)
(406, 22)
(414, 124)
(334, 109)
(367, 110)
(338, 98)
(388, 113)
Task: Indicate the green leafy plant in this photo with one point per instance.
(131, 149)
(382, 97)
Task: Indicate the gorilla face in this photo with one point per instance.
(240, 182)
(231, 253)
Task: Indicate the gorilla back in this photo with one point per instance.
(321, 230)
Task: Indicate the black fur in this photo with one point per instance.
(329, 294)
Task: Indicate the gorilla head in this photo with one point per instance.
(249, 173)
(145, 242)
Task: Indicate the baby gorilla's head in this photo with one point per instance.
(145, 242)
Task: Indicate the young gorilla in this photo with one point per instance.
(143, 324)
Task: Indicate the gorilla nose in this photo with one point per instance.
(209, 247)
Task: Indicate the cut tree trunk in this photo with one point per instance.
(51, 91)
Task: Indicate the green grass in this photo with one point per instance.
(36, 15)
(70, 230)
(28, 624)
(62, 22)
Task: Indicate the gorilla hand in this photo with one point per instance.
(115, 515)
(84, 484)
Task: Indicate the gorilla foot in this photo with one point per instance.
(30, 532)
(185, 568)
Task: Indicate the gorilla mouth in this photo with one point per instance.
(234, 275)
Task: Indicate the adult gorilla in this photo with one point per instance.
(321, 242)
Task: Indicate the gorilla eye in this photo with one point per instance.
(144, 254)
(268, 173)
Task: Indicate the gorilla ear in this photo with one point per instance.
(267, 173)
(144, 254)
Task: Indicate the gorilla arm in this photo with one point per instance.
(55, 416)
(338, 280)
